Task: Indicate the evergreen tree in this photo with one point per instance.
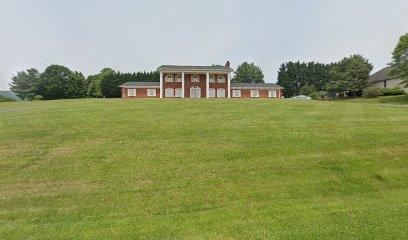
(24, 83)
(248, 73)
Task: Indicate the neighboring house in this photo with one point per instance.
(198, 82)
(383, 79)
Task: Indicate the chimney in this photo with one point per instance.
(228, 64)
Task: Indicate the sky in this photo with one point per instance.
(131, 35)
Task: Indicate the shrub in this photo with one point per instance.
(392, 91)
(318, 95)
(38, 97)
(372, 92)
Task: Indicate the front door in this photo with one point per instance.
(195, 92)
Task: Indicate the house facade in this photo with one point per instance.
(198, 82)
(383, 79)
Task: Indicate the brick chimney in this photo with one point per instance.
(228, 64)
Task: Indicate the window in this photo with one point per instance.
(151, 92)
(131, 92)
(220, 92)
(178, 78)
(212, 79)
(221, 79)
(169, 92)
(179, 93)
(211, 93)
(236, 93)
(272, 93)
(168, 78)
(254, 93)
(195, 79)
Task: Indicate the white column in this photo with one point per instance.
(207, 85)
(161, 84)
(182, 85)
(229, 85)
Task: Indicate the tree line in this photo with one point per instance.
(349, 76)
(59, 82)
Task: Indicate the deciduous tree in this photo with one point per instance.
(248, 73)
(400, 59)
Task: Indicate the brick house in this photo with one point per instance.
(198, 82)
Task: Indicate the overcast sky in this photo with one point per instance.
(87, 35)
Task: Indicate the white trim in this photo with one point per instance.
(198, 88)
(161, 84)
(212, 78)
(236, 93)
(198, 78)
(133, 92)
(272, 93)
(207, 84)
(169, 94)
(168, 78)
(212, 93)
(254, 93)
(220, 93)
(182, 84)
(229, 86)
(177, 79)
(222, 78)
(151, 93)
(178, 93)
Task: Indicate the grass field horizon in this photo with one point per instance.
(204, 169)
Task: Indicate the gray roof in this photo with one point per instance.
(383, 74)
(255, 85)
(193, 68)
(140, 84)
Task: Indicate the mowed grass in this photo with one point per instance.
(203, 169)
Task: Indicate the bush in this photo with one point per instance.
(372, 92)
(38, 97)
(392, 91)
(318, 95)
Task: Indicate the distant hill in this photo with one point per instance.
(9, 94)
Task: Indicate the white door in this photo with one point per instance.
(195, 93)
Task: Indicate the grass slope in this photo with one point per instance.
(205, 169)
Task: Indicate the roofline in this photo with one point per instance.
(188, 69)
(147, 86)
(257, 88)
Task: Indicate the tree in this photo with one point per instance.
(350, 75)
(94, 83)
(248, 73)
(59, 82)
(307, 90)
(293, 76)
(76, 86)
(24, 83)
(400, 59)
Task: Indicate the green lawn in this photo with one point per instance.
(203, 169)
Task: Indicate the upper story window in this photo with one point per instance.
(169, 78)
(178, 78)
(131, 92)
(221, 79)
(151, 92)
(272, 93)
(195, 79)
(236, 93)
(212, 78)
(254, 93)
